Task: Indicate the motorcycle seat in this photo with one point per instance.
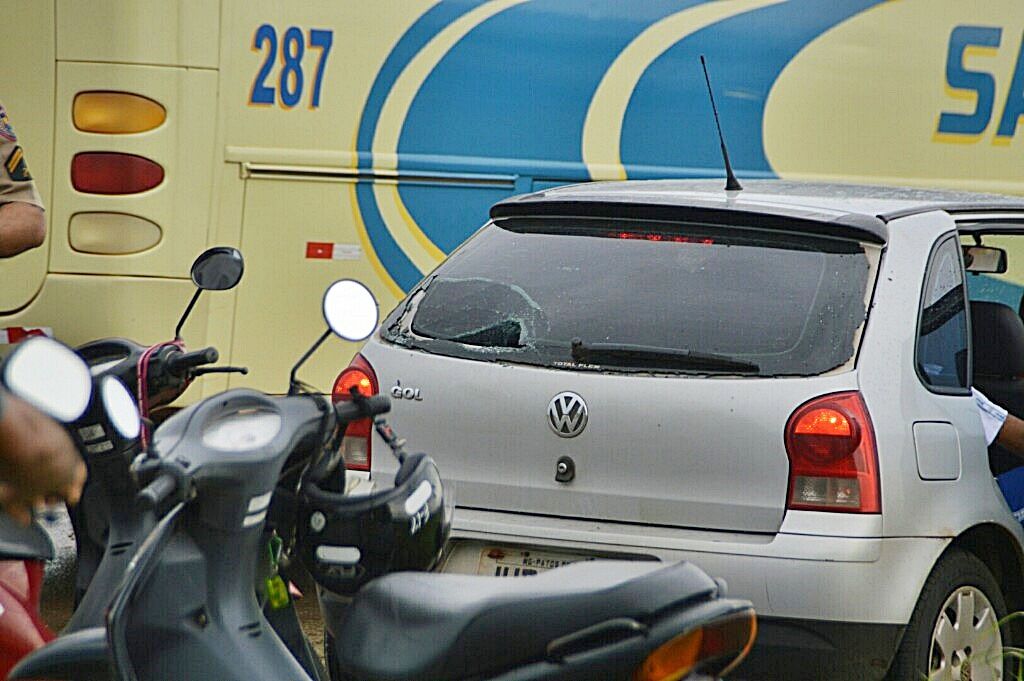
(446, 627)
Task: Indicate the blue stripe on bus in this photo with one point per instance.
(408, 46)
(398, 265)
(528, 120)
(743, 67)
(534, 70)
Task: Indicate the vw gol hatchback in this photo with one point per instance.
(773, 384)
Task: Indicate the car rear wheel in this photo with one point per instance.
(954, 633)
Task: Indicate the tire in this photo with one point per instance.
(959, 585)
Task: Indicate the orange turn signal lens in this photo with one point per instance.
(824, 422)
(116, 113)
(714, 650)
(672, 660)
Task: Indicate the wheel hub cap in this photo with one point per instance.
(966, 642)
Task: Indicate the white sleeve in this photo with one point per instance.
(992, 415)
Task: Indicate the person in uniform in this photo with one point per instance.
(22, 225)
(1000, 426)
(38, 462)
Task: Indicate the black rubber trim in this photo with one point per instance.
(954, 208)
(813, 650)
(760, 216)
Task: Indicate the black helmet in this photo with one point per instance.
(345, 541)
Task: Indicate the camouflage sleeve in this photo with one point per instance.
(16, 182)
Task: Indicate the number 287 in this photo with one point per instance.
(290, 78)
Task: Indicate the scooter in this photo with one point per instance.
(108, 525)
(156, 376)
(186, 610)
(23, 550)
(23, 553)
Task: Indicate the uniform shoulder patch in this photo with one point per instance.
(6, 131)
(16, 166)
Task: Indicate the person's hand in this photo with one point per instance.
(38, 462)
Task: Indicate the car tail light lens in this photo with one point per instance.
(712, 650)
(833, 461)
(103, 172)
(356, 445)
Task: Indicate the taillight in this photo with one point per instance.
(355, 445)
(116, 113)
(104, 172)
(711, 650)
(833, 461)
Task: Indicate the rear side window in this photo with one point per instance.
(628, 296)
(942, 331)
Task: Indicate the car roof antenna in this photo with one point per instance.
(731, 183)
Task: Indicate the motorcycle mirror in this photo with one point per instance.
(50, 376)
(121, 409)
(216, 269)
(350, 310)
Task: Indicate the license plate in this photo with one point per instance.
(502, 561)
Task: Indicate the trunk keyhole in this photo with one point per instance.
(565, 469)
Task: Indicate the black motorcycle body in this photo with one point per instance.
(186, 607)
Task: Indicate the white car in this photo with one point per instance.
(773, 384)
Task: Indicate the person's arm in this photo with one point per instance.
(1011, 436)
(22, 226)
(22, 223)
(38, 462)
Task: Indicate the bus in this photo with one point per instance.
(367, 140)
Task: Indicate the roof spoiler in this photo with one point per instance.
(760, 216)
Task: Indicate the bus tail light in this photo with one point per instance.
(116, 113)
(104, 172)
(356, 447)
(833, 460)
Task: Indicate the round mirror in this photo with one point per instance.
(120, 406)
(350, 310)
(50, 376)
(218, 269)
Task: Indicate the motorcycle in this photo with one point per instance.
(24, 550)
(186, 608)
(23, 553)
(156, 376)
(108, 525)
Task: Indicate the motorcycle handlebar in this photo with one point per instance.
(178, 365)
(156, 492)
(366, 407)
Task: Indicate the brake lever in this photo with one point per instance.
(220, 370)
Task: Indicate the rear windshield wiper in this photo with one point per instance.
(652, 357)
(506, 333)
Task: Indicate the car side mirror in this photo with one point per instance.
(984, 259)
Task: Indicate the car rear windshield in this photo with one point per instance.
(641, 297)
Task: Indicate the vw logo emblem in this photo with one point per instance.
(567, 414)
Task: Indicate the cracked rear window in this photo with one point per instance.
(649, 297)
